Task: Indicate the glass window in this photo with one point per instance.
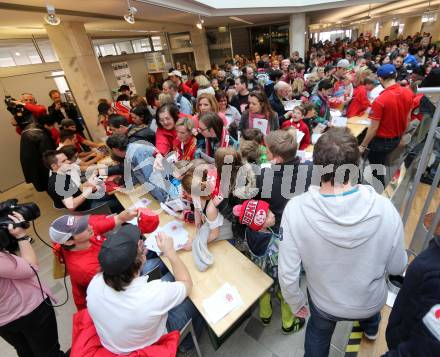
(178, 40)
(47, 51)
(260, 39)
(108, 49)
(141, 45)
(18, 52)
(157, 43)
(97, 52)
(124, 48)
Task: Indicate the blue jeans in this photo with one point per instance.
(180, 315)
(153, 262)
(320, 329)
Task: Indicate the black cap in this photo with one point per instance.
(119, 250)
(103, 108)
(123, 87)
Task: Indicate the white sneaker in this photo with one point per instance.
(372, 337)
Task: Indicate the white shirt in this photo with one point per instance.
(375, 93)
(133, 319)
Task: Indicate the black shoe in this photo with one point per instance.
(297, 325)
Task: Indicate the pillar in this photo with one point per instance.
(412, 25)
(200, 47)
(298, 33)
(385, 29)
(82, 70)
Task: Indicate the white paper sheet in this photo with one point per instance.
(339, 121)
(335, 113)
(315, 138)
(261, 124)
(291, 104)
(222, 302)
(175, 230)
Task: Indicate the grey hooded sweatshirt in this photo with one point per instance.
(347, 244)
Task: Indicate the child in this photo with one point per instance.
(257, 136)
(296, 121)
(263, 247)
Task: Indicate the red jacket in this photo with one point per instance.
(359, 103)
(164, 140)
(36, 109)
(86, 342)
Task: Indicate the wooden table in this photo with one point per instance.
(229, 266)
(355, 124)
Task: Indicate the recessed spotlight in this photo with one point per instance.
(17, 53)
(51, 18)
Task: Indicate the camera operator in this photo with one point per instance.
(27, 321)
(27, 100)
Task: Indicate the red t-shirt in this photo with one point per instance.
(359, 103)
(391, 109)
(301, 126)
(55, 135)
(82, 265)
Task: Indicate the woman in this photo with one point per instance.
(27, 318)
(213, 129)
(231, 113)
(185, 144)
(207, 103)
(204, 86)
(166, 118)
(140, 129)
(260, 115)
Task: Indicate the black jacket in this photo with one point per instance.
(278, 184)
(34, 142)
(278, 106)
(71, 112)
(402, 73)
(406, 333)
(141, 132)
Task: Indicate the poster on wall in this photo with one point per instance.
(155, 62)
(123, 75)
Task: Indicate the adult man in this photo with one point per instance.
(125, 93)
(176, 77)
(241, 99)
(34, 141)
(138, 166)
(130, 312)
(290, 76)
(413, 327)
(78, 240)
(119, 125)
(61, 110)
(252, 83)
(402, 73)
(221, 78)
(180, 100)
(66, 190)
(280, 93)
(331, 229)
(28, 101)
(390, 115)
(295, 58)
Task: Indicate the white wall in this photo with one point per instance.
(138, 69)
(14, 81)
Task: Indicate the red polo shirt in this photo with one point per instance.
(82, 265)
(391, 109)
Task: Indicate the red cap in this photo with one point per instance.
(148, 221)
(252, 213)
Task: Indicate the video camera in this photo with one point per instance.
(21, 115)
(29, 211)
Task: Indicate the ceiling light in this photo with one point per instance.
(240, 20)
(131, 12)
(51, 18)
(17, 53)
(199, 24)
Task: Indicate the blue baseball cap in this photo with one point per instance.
(386, 70)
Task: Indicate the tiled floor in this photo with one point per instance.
(251, 339)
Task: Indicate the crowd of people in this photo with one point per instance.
(229, 146)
